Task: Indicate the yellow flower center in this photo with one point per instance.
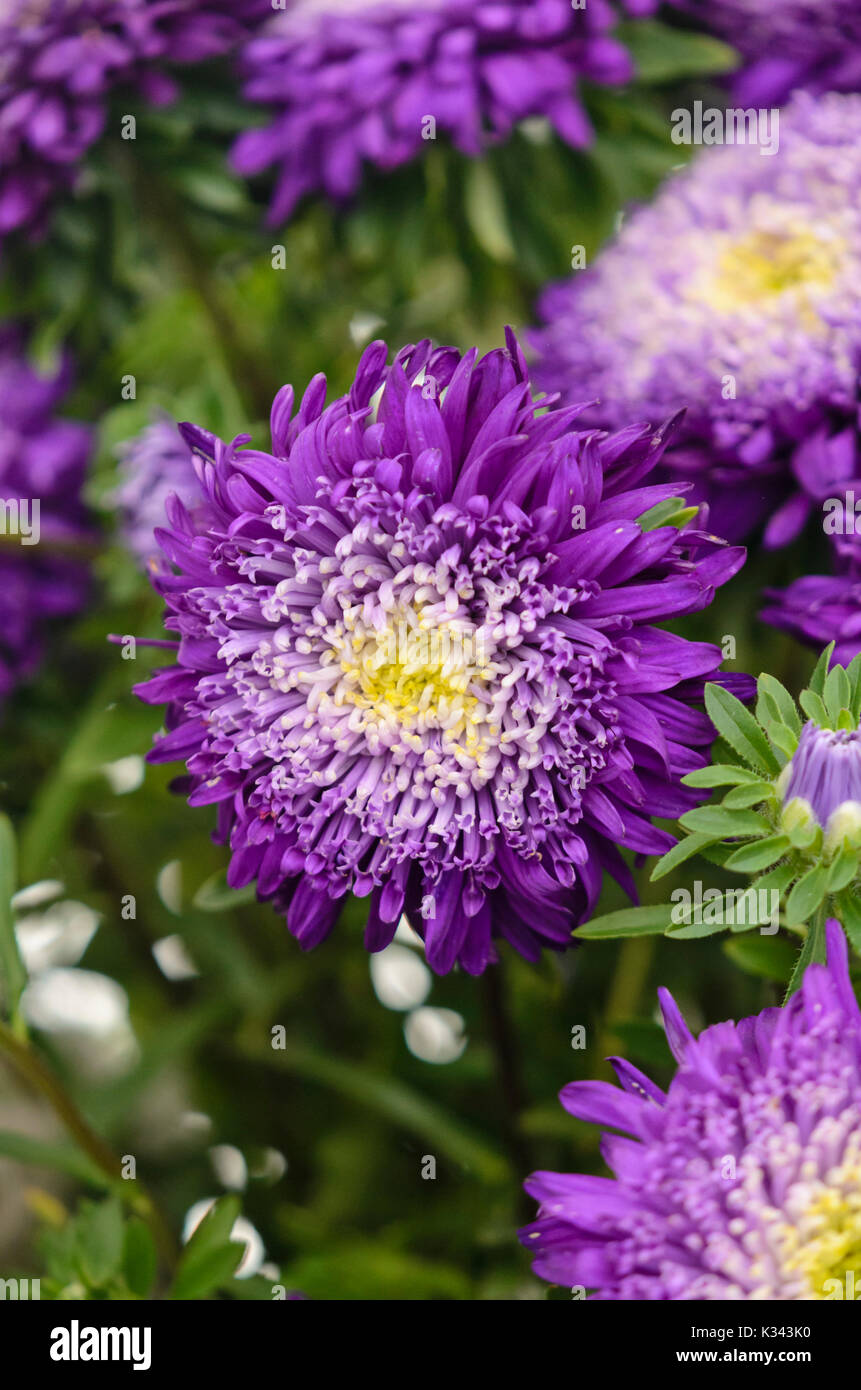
(827, 1242)
(799, 265)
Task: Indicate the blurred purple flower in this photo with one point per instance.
(742, 1181)
(60, 62)
(737, 295)
(814, 44)
(417, 657)
(354, 81)
(153, 465)
(42, 463)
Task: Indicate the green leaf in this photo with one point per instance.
(740, 798)
(214, 895)
(44, 1154)
(820, 671)
(13, 976)
(749, 859)
(776, 880)
(100, 1240)
(812, 950)
(673, 511)
(694, 931)
(770, 957)
(837, 693)
(849, 912)
(806, 895)
(685, 849)
(843, 870)
(738, 726)
(813, 707)
(721, 775)
(486, 212)
(720, 824)
(853, 671)
(663, 54)
(784, 709)
(210, 1258)
(783, 739)
(140, 1260)
(631, 921)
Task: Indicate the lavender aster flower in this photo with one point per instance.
(60, 61)
(737, 294)
(350, 81)
(742, 1180)
(154, 465)
(42, 466)
(822, 781)
(815, 44)
(417, 655)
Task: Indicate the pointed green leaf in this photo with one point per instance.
(820, 671)
(749, 859)
(738, 726)
(783, 705)
(812, 950)
(631, 921)
(783, 739)
(140, 1260)
(807, 894)
(836, 693)
(720, 775)
(741, 798)
(814, 707)
(721, 824)
(843, 870)
(849, 911)
(13, 976)
(685, 849)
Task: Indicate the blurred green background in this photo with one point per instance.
(159, 1025)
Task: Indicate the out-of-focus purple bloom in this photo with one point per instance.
(418, 657)
(815, 44)
(736, 294)
(742, 1181)
(355, 81)
(59, 62)
(42, 466)
(819, 609)
(154, 465)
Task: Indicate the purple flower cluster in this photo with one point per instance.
(418, 658)
(737, 296)
(154, 465)
(741, 1181)
(815, 44)
(349, 81)
(61, 60)
(42, 466)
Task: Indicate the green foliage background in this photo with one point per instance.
(160, 266)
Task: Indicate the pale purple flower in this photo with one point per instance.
(736, 295)
(154, 465)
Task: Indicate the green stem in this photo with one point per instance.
(35, 1072)
(633, 963)
(507, 1064)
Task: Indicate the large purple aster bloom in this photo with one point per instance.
(417, 654)
(815, 44)
(742, 1181)
(59, 61)
(42, 466)
(154, 465)
(736, 294)
(350, 81)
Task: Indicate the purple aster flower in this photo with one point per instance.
(417, 657)
(154, 465)
(350, 81)
(741, 1181)
(815, 44)
(42, 466)
(819, 609)
(736, 294)
(60, 61)
(822, 780)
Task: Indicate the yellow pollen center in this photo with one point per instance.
(827, 1239)
(765, 265)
